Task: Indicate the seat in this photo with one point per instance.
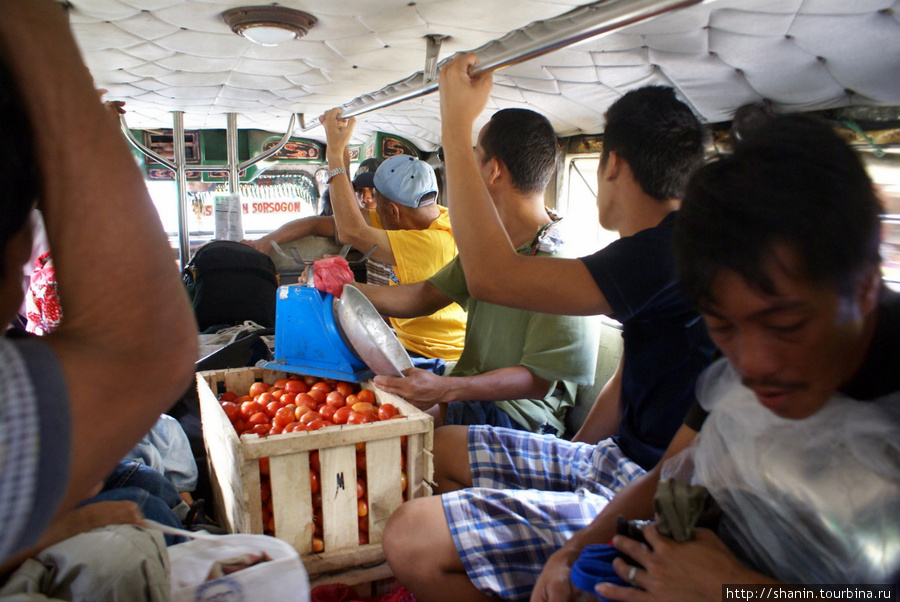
(607, 362)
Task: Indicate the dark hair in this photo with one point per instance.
(793, 182)
(658, 136)
(526, 143)
(17, 169)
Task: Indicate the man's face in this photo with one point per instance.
(382, 209)
(365, 197)
(484, 168)
(603, 204)
(793, 349)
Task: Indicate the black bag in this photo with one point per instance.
(228, 283)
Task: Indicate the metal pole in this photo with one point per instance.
(543, 37)
(234, 174)
(184, 240)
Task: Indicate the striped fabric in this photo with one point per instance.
(531, 494)
(19, 447)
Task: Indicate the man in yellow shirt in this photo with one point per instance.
(411, 231)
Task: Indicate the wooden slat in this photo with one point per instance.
(383, 483)
(338, 482)
(341, 560)
(292, 500)
(352, 577)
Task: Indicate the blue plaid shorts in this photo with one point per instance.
(531, 493)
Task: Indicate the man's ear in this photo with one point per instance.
(867, 290)
(613, 166)
(497, 170)
(394, 210)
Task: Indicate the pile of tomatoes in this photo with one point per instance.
(302, 404)
(307, 403)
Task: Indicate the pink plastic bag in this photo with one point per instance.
(331, 274)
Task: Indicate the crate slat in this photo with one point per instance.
(234, 469)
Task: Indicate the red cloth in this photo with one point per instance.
(331, 274)
(338, 592)
(42, 301)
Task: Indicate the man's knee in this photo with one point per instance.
(451, 458)
(418, 530)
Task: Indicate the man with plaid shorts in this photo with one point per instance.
(512, 499)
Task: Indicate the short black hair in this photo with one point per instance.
(658, 136)
(18, 171)
(526, 143)
(792, 183)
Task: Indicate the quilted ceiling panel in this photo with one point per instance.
(800, 55)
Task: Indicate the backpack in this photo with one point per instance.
(229, 283)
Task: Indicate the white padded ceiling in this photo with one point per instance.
(801, 55)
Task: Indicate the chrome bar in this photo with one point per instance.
(231, 143)
(184, 241)
(140, 147)
(542, 37)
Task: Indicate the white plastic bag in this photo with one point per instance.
(804, 501)
(281, 578)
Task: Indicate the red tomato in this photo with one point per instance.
(296, 386)
(265, 398)
(368, 417)
(275, 428)
(264, 467)
(239, 426)
(258, 418)
(341, 415)
(291, 407)
(294, 427)
(351, 399)
(363, 524)
(314, 460)
(277, 394)
(264, 489)
(271, 408)
(310, 380)
(309, 417)
(343, 388)
(366, 395)
(231, 410)
(402, 481)
(281, 383)
(260, 429)
(228, 396)
(386, 411)
(305, 401)
(319, 424)
(363, 406)
(285, 414)
(248, 408)
(327, 412)
(335, 399)
(363, 537)
(318, 394)
(258, 389)
(288, 398)
(323, 386)
(313, 481)
(360, 461)
(362, 507)
(354, 418)
(243, 398)
(318, 545)
(360, 488)
(279, 423)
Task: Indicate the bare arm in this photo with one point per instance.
(424, 389)
(320, 225)
(351, 225)
(606, 413)
(405, 300)
(531, 283)
(128, 341)
(633, 502)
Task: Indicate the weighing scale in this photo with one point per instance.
(317, 334)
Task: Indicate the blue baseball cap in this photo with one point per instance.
(405, 180)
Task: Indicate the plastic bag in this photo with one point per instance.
(281, 578)
(804, 501)
(331, 274)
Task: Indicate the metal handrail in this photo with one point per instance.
(534, 40)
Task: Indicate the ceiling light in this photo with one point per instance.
(269, 25)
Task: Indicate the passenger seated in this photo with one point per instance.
(519, 369)
(77, 400)
(510, 500)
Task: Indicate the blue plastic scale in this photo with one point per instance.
(308, 339)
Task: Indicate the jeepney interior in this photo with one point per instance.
(184, 74)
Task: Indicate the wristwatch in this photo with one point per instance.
(325, 177)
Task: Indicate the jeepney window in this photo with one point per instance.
(884, 169)
(578, 204)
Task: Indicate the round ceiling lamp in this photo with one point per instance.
(269, 25)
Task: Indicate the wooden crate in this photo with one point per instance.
(235, 475)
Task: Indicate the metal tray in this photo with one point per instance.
(367, 334)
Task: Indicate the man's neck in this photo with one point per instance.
(522, 216)
(645, 212)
